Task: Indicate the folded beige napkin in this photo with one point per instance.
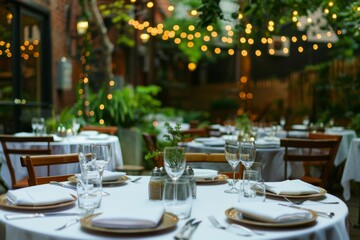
(200, 174)
(272, 212)
(38, 195)
(130, 218)
(111, 176)
(291, 187)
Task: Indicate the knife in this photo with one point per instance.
(38, 215)
(323, 214)
(180, 234)
(193, 227)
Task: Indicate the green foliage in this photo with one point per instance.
(128, 106)
(355, 123)
(243, 122)
(119, 12)
(172, 138)
(210, 12)
(65, 118)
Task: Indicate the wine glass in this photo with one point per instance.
(102, 156)
(41, 126)
(35, 125)
(174, 162)
(247, 153)
(232, 157)
(86, 158)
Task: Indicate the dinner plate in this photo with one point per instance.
(237, 216)
(220, 178)
(121, 179)
(6, 204)
(168, 220)
(321, 193)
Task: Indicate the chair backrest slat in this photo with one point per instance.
(312, 152)
(48, 160)
(10, 147)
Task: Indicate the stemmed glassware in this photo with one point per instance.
(86, 157)
(247, 153)
(102, 156)
(232, 157)
(174, 162)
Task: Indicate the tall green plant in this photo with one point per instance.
(127, 107)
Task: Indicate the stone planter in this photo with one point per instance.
(131, 146)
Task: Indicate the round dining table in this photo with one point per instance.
(271, 157)
(64, 145)
(211, 200)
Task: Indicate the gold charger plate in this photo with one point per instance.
(121, 179)
(321, 193)
(6, 204)
(236, 216)
(220, 178)
(168, 221)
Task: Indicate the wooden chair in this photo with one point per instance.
(111, 130)
(212, 158)
(8, 143)
(312, 152)
(47, 160)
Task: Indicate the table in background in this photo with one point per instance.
(66, 145)
(211, 200)
(347, 136)
(351, 168)
(272, 158)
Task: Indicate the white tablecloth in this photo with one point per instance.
(351, 168)
(272, 158)
(67, 145)
(347, 136)
(211, 200)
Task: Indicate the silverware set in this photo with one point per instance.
(187, 230)
(319, 213)
(234, 228)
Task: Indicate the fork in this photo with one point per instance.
(250, 232)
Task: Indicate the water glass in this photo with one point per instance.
(177, 197)
(89, 191)
(253, 187)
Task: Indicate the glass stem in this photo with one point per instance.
(234, 169)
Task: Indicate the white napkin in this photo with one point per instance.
(291, 187)
(38, 195)
(272, 212)
(111, 176)
(130, 217)
(201, 174)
